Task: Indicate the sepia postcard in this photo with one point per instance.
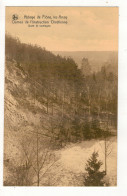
(61, 96)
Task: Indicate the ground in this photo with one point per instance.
(70, 167)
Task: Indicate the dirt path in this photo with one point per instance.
(74, 157)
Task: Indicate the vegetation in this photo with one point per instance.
(84, 103)
(94, 176)
(72, 106)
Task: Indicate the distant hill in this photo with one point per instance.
(96, 58)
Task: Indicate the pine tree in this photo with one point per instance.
(94, 177)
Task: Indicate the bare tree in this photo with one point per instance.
(107, 149)
(38, 155)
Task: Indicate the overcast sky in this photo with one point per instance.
(88, 28)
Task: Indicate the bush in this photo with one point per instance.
(94, 177)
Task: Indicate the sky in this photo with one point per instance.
(88, 28)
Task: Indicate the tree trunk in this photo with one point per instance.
(47, 104)
(63, 101)
(38, 178)
(52, 108)
(105, 157)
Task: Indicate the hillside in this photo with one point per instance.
(50, 104)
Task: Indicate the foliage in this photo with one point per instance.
(81, 101)
(94, 177)
(19, 175)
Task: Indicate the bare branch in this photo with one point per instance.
(44, 160)
(48, 169)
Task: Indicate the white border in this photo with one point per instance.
(122, 102)
(60, 3)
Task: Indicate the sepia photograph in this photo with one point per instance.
(61, 96)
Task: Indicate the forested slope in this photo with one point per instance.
(47, 97)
